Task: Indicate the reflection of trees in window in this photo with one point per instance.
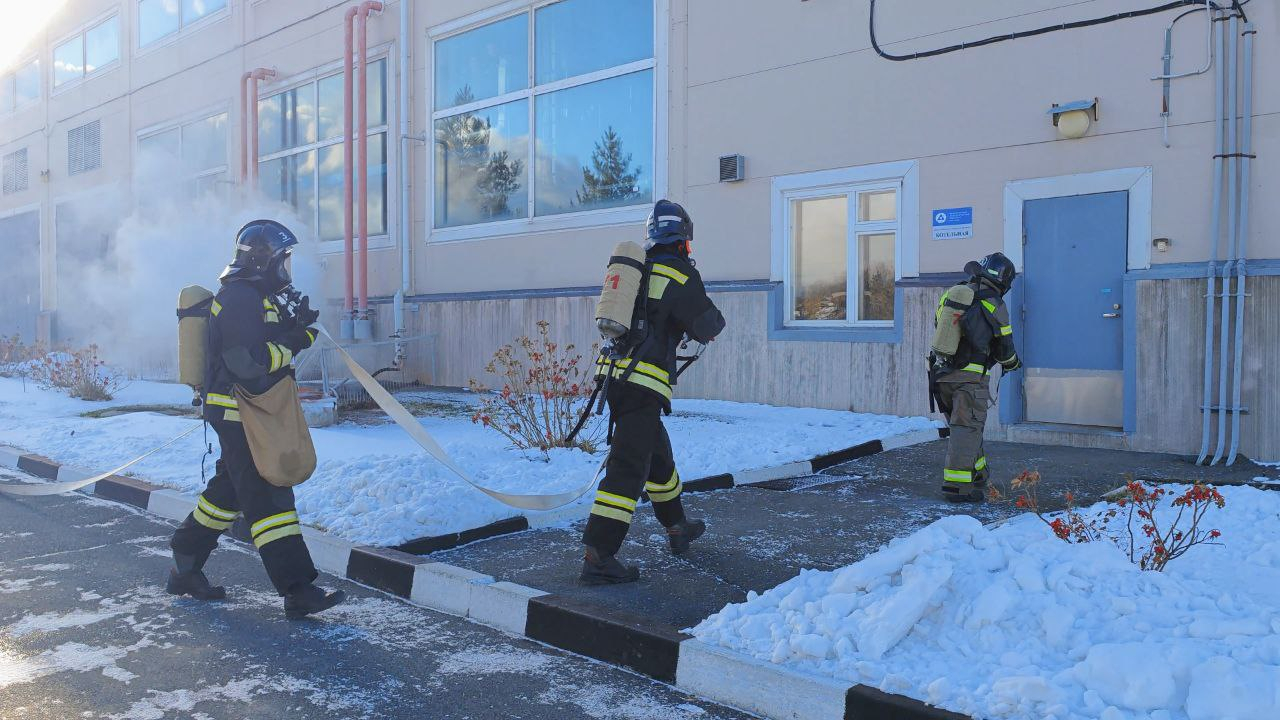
(877, 294)
(825, 301)
(495, 175)
(611, 178)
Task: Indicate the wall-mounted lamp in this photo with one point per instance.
(1161, 244)
(1074, 118)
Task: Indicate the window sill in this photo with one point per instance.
(779, 331)
(632, 214)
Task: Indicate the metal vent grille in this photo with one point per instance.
(731, 168)
(15, 172)
(84, 148)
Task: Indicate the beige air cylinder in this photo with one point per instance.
(621, 288)
(951, 308)
(193, 334)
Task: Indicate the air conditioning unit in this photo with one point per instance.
(732, 168)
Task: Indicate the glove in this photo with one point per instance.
(298, 339)
(304, 314)
(1011, 365)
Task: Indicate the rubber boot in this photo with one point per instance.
(600, 569)
(187, 578)
(310, 599)
(684, 532)
(970, 492)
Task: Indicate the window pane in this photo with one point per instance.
(292, 181)
(68, 60)
(377, 179)
(287, 120)
(877, 205)
(156, 19)
(595, 145)
(331, 195)
(164, 145)
(6, 93)
(875, 266)
(330, 112)
(215, 185)
(376, 76)
(576, 37)
(28, 83)
(204, 144)
(482, 160)
(483, 63)
(102, 45)
(193, 10)
(819, 263)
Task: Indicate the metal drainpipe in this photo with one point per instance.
(254, 76)
(244, 129)
(363, 325)
(406, 227)
(1211, 273)
(346, 330)
(1224, 322)
(1246, 146)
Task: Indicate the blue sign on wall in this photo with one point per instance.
(953, 223)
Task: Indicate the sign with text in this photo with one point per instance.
(953, 223)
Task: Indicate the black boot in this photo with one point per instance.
(310, 599)
(187, 578)
(684, 532)
(970, 492)
(605, 570)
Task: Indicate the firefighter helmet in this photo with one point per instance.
(262, 246)
(997, 270)
(669, 224)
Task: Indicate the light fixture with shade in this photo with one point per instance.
(1073, 119)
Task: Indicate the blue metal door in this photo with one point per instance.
(1075, 253)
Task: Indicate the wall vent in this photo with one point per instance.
(15, 172)
(84, 148)
(731, 168)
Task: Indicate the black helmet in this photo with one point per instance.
(996, 269)
(262, 246)
(669, 224)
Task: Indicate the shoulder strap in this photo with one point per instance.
(200, 309)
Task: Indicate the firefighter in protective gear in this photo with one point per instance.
(253, 336)
(639, 391)
(961, 388)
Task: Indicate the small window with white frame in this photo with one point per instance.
(20, 87)
(545, 113)
(198, 148)
(162, 19)
(92, 50)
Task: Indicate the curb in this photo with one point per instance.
(619, 638)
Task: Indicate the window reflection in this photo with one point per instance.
(819, 260)
(483, 63)
(576, 37)
(102, 45)
(157, 19)
(68, 61)
(482, 165)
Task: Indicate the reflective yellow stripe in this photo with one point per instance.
(989, 305)
(609, 498)
(1006, 330)
(647, 368)
(280, 355)
(269, 522)
(231, 415)
(614, 513)
(273, 535)
(272, 316)
(962, 476)
(671, 272)
(657, 386)
(220, 400)
(311, 334)
(982, 463)
(214, 510)
(976, 368)
(215, 308)
(666, 495)
(267, 304)
(204, 519)
(660, 487)
(657, 286)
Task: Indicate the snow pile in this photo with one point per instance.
(1013, 623)
(374, 485)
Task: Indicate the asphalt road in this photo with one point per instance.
(86, 631)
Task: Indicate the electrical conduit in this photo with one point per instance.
(1246, 146)
(1224, 322)
(1211, 273)
(348, 262)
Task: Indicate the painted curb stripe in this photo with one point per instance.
(611, 636)
(387, 570)
(822, 462)
(38, 465)
(126, 490)
(426, 545)
(707, 484)
(868, 703)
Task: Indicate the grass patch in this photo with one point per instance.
(171, 410)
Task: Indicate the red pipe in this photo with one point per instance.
(348, 227)
(362, 151)
(254, 76)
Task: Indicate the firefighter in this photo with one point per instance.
(639, 392)
(961, 384)
(253, 337)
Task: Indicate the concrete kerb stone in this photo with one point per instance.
(446, 588)
(756, 686)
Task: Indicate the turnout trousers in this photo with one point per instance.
(236, 489)
(963, 396)
(639, 459)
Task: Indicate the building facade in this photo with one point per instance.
(838, 183)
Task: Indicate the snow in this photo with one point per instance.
(374, 485)
(1010, 622)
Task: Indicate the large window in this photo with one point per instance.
(546, 112)
(87, 52)
(198, 149)
(159, 19)
(300, 151)
(20, 87)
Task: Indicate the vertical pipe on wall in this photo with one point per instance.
(348, 239)
(1211, 273)
(363, 327)
(1246, 146)
(1224, 321)
(244, 128)
(254, 76)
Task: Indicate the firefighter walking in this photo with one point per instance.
(973, 333)
(252, 339)
(672, 305)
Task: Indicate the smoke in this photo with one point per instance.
(122, 294)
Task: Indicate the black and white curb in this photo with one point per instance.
(616, 637)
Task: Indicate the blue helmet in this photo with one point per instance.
(996, 269)
(262, 246)
(669, 224)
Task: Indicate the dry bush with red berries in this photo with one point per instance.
(81, 373)
(544, 389)
(1153, 546)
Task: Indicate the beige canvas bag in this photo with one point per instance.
(279, 439)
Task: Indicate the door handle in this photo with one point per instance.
(1111, 316)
